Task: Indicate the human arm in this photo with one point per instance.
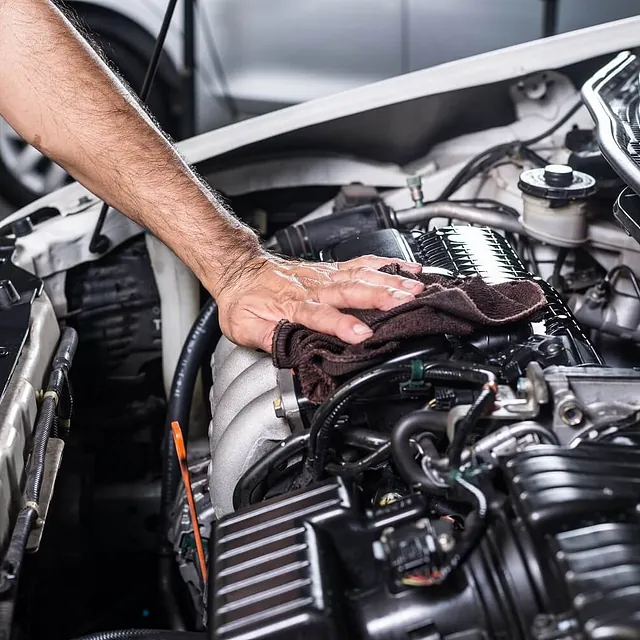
(63, 99)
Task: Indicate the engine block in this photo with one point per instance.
(254, 406)
(277, 567)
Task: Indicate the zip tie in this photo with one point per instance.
(52, 394)
(30, 504)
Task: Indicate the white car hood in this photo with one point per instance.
(489, 68)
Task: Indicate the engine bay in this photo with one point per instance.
(455, 485)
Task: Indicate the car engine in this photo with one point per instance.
(461, 487)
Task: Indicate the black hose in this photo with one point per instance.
(406, 429)
(556, 278)
(479, 408)
(354, 469)
(201, 339)
(166, 569)
(144, 634)
(28, 515)
(251, 486)
(325, 417)
(364, 439)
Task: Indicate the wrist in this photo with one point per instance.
(244, 260)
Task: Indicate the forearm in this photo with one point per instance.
(62, 98)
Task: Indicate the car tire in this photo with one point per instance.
(20, 187)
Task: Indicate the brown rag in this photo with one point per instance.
(446, 306)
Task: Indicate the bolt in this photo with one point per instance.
(446, 542)
(423, 523)
(571, 415)
(553, 349)
(4, 352)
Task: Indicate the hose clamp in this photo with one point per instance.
(52, 394)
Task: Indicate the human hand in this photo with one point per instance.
(267, 289)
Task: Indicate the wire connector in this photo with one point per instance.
(416, 380)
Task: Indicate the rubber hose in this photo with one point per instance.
(244, 493)
(56, 386)
(167, 595)
(364, 438)
(409, 426)
(143, 634)
(335, 404)
(479, 409)
(201, 339)
(42, 431)
(354, 469)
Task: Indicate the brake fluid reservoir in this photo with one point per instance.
(554, 204)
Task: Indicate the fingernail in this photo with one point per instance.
(402, 295)
(361, 329)
(411, 284)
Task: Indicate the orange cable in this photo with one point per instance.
(181, 452)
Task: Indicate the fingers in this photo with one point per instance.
(376, 262)
(356, 294)
(327, 319)
(372, 276)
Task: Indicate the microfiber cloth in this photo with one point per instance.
(454, 306)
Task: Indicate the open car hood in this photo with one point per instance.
(409, 113)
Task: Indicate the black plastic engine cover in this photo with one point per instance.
(302, 566)
(267, 575)
(562, 560)
(582, 504)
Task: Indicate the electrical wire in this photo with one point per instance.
(476, 165)
(489, 157)
(556, 278)
(622, 268)
(475, 526)
(489, 205)
(555, 126)
(478, 410)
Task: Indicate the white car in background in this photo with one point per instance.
(256, 56)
